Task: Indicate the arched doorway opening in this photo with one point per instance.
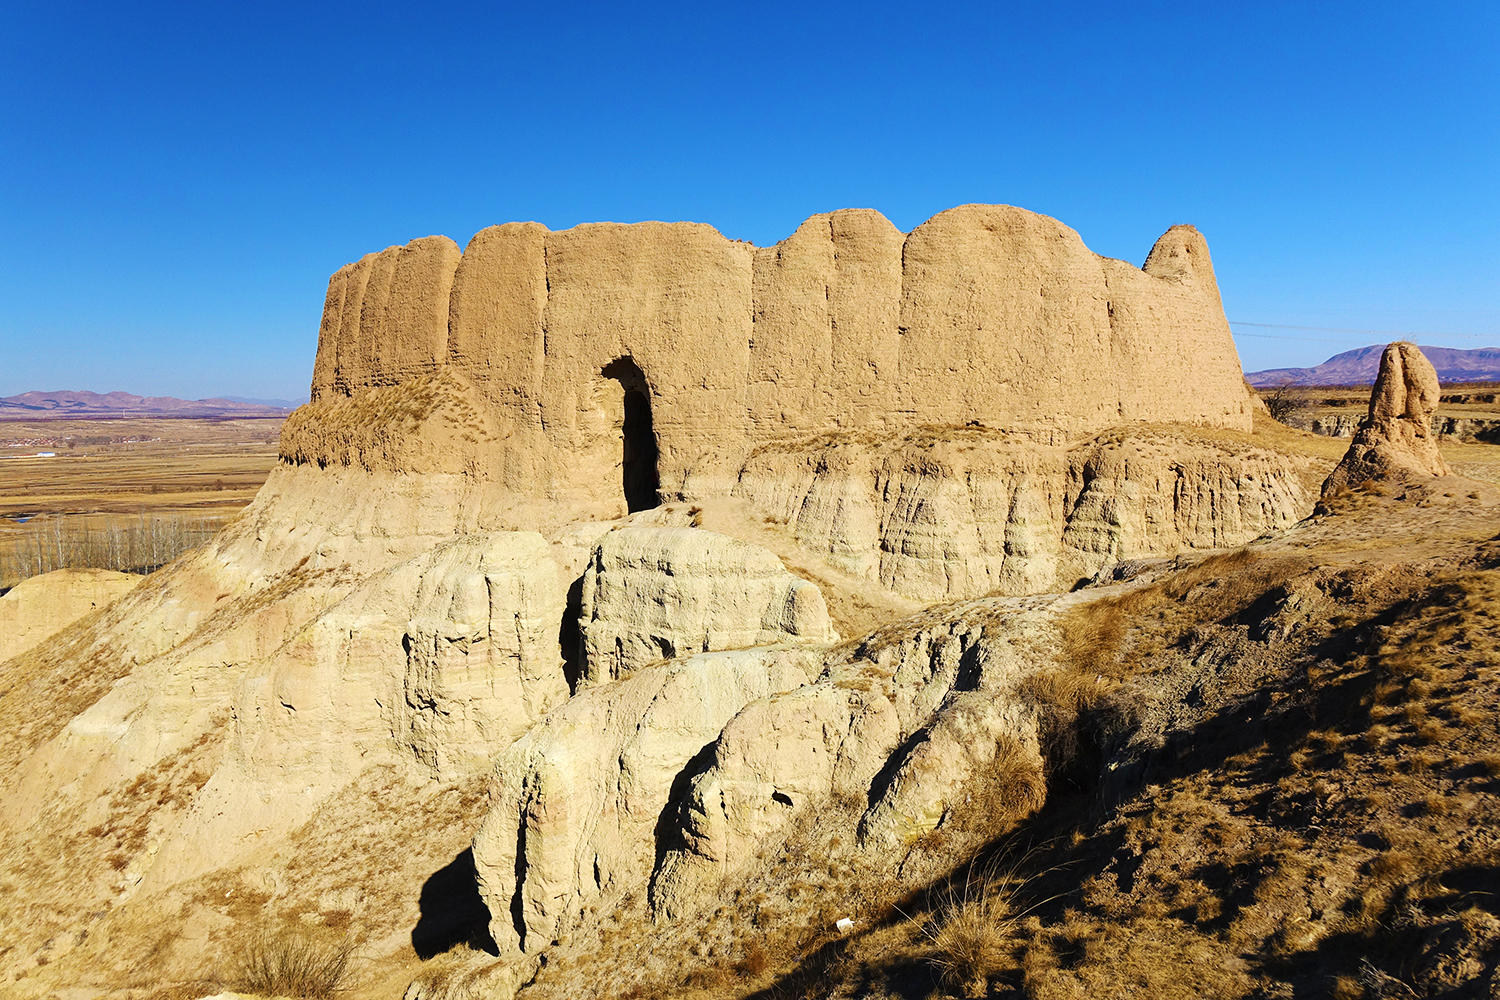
(638, 438)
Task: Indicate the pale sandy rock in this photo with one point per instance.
(181, 639)
(40, 606)
(385, 319)
(1396, 439)
(296, 680)
(675, 777)
(482, 654)
(657, 593)
(920, 413)
(965, 512)
(678, 776)
(576, 802)
(495, 314)
(444, 659)
(903, 723)
(826, 337)
(160, 671)
(1132, 495)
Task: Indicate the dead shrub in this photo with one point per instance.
(1284, 400)
(754, 963)
(293, 962)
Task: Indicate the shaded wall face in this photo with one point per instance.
(984, 314)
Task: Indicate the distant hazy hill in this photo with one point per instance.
(284, 404)
(50, 405)
(1358, 367)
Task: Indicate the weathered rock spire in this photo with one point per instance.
(1395, 439)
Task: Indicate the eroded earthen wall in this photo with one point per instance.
(984, 314)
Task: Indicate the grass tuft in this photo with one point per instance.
(973, 942)
(294, 962)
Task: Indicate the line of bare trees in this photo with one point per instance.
(134, 545)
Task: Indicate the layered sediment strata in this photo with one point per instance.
(943, 513)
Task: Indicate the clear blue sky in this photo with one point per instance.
(177, 181)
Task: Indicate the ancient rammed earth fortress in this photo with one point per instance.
(603, 562)
(567, 342)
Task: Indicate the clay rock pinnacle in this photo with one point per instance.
(1395, 439)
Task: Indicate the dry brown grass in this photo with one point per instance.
(293, 962)
(975, 933)
(1165, 959)
(973, 943)
(1124, 635)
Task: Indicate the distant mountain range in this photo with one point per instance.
(93, 405)
(1359, 367)
(280, 404)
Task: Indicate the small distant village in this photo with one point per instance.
(70, 442)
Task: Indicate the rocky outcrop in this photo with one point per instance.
(1343, 425)
(904, 723)
(575, 821)
(41, 606)
(676, 778)
(960, 512)
(1461, 428)
(1396, 439)
(453, 570)
(443, 660)
(1486, 429)
(654, 594)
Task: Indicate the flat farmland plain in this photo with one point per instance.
(112, 476)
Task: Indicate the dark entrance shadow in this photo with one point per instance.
(570, 637)
(452, 912)
(641, 480)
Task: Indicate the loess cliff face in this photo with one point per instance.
(944, 513)
(598, 566)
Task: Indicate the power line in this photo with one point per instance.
(1304, 340)
(1339, 329)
